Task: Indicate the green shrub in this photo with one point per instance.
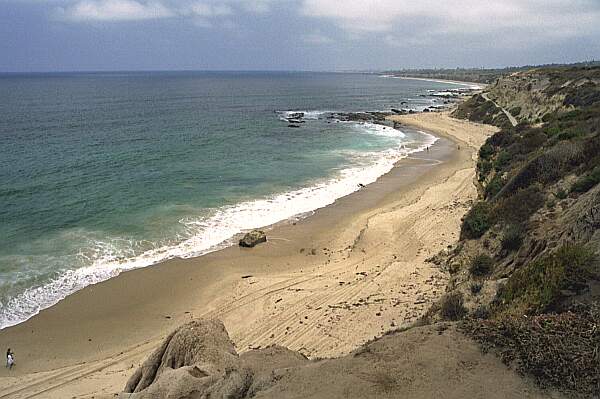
(552, 131)
(586, 182)
(548, 167)
(512, 238)
(503, 139)
(539, 285)
(570, 134)
(571, 115)
(518, 208)
(500, 120)
(585, 95)
(481, 265)
(477, 221)
(484, 167)
(532, 140)
(547, 117)
(494, 186)
(502, 160)
(451, 306)
(516, 111)
(486, 151)
(561, 194)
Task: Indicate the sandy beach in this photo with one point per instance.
(322, 285)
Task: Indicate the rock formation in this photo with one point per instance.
(198, 360)
(253, 238)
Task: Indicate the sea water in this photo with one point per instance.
(106, 172)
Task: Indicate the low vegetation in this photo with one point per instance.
(512, 238)
(477, 221)
(530, 176)
(518, 208)
(481, 265)
(558, 350)
(539, 286)
(452, 306)
(587, 181)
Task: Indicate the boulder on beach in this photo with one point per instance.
(253, 238)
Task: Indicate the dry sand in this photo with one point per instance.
(323, 285)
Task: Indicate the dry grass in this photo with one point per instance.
(559, 350)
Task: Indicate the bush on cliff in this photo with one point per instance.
(477, 221)
(494, 186)
(512, 238)
(481, 265)
(486, 151)
(538, 286)
(587, 181)
(451, 306)
(558, 350)
(518, 208)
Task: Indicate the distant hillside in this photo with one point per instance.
(478, 75)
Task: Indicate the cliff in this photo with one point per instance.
(525, 273)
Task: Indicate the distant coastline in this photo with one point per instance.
(471, 85)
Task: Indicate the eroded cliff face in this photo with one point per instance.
(198, 361)
(531, 95)
(526, 272)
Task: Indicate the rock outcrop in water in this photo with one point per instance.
(370, 116)
(253, 238)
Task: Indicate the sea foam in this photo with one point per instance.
(217, 230)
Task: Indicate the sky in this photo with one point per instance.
(316, 35)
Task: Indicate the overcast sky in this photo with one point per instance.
(69, 35)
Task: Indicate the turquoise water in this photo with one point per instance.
(104, 172)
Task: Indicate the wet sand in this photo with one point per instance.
(322, 285)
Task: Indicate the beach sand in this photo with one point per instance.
(322, 285)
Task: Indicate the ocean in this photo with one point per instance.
(106, 172)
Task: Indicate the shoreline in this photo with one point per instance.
(329, 192)
(322, 285)
(472, 85)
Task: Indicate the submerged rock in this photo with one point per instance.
(253, 238)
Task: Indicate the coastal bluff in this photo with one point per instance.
(198, 360)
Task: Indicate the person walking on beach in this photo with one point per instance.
(10, 359)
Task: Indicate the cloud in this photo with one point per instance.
(549, 18)
(132, 10)
(115, 10)
(317, 38)
(210, 10)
